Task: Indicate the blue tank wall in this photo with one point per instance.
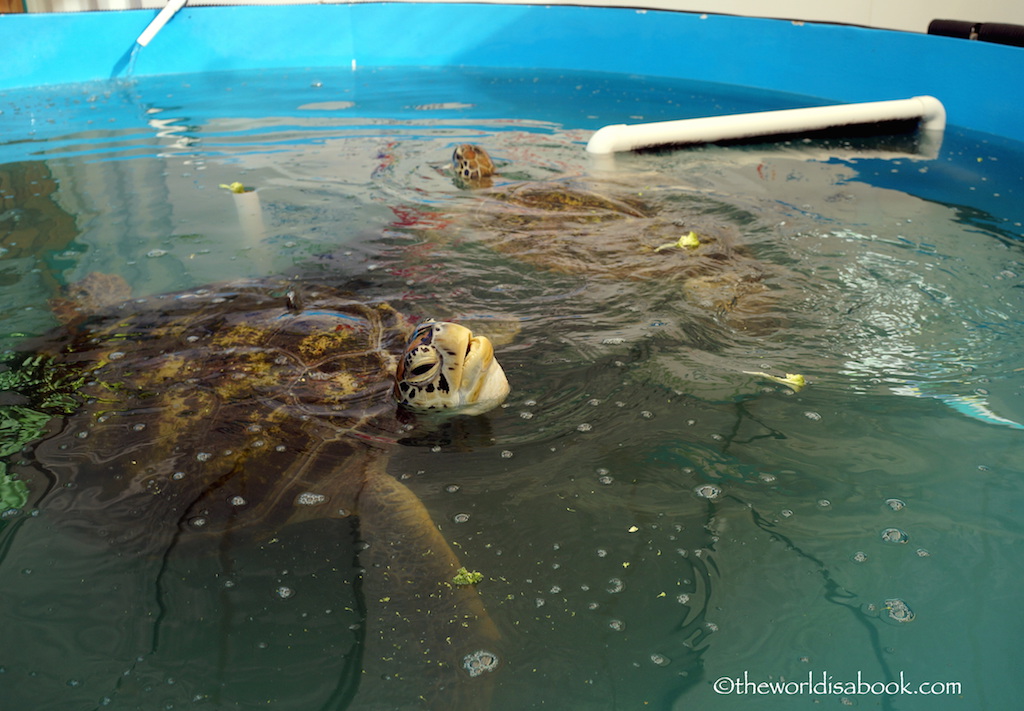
(980, 84)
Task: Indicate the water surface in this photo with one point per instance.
(649, 517)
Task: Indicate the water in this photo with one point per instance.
(649, 518)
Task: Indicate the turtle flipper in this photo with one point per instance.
(429, 643)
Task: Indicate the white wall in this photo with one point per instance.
(911, 15)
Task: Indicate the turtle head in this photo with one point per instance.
(473, 167)
(446, 369)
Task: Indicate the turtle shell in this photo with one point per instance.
(199, 425)
(229, 404)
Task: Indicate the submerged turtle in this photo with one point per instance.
(569, 227)
(209, 415)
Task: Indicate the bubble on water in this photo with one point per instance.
(593, 402)
(708, 491)
(860, 557)
(617, 625)
(682, 598)
(786, 513)
(526, 415)
(280, 448)
(615, 585)
(452, 488)
(824, 503)
(203, 456)
(506, 454)
(530, 403)
(584, 427)
(237, 501)
(73, 682)
(922, 553)
(539, 602)
(82, 435)
(660, 659)
(284, 592)
(116, 355)
(480, 662)
(896, 504)
(646, 414)
(177, 476)
(894, 535)
(813, 416)
(555, 589)
(601, 553)
(606, 480)
(197, 522)
(593, 605)
(710, 626)
(309, 498)
(153, 253)
(460, 517)
(767, 478)
(898, 610)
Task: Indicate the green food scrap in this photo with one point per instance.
(236, 188)
(465, 577)
(687, 241)
(793, 380)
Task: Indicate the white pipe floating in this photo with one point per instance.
(162, 18)
(629, 137)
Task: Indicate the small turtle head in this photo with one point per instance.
(473, 167)
(446, 369)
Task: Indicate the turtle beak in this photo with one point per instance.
(484, 385)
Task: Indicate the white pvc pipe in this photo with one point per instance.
(623, 137)
(162, 18)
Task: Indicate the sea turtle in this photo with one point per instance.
(223, 414)
(618, 232)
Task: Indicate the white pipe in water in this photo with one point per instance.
(162, 18)
(623, 137)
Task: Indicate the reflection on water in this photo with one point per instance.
(647, 515)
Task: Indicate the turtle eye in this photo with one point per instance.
(421, 365)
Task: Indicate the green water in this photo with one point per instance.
(648, 517)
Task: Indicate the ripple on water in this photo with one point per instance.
(708, 491)
(480, 662)
(898, 610)
(894, 535)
